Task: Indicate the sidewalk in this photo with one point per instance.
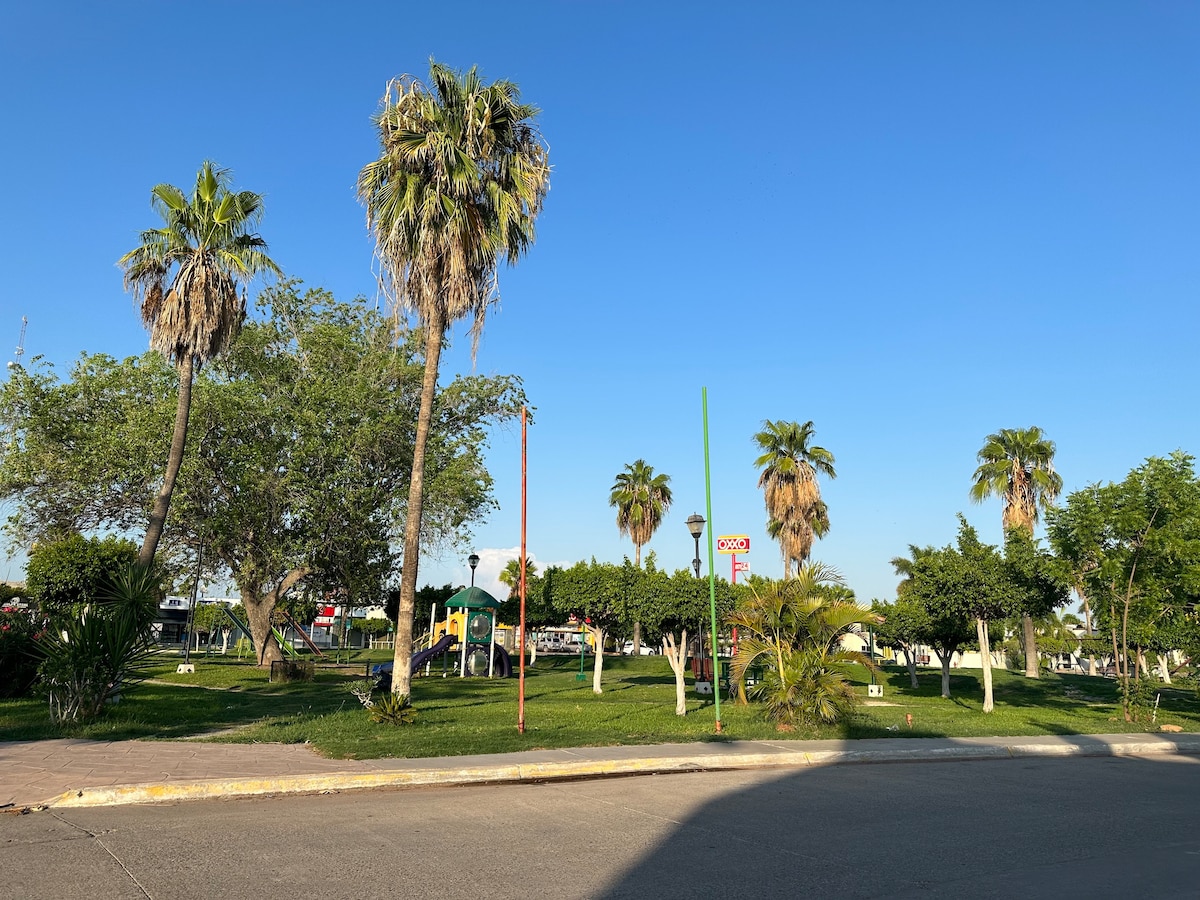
(73, 773)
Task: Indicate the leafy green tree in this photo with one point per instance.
(62, 433)
(1142, 536)
(795, 627)
(428, 597)
(460, 179)
(186, 275)
(903, 626)
(597, 594)
(790, 465)
(1017, 465)
(956, 585)
(67, 574)
(303, 460)
(1037, 582)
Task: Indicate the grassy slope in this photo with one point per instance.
(465, 716)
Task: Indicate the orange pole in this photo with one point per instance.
(521, 646)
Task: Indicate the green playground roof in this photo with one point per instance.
(474, 598)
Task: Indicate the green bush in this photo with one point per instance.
(19, 653)
(65, 575)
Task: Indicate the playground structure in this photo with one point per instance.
(468, 635)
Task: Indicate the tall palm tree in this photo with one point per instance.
(1017, 465)
(510, 575)
(641, 499)
(190, 277)
(790, 463)
(460, 179)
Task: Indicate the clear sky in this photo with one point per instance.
(913, 223)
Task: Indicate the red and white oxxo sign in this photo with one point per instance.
(733, 544)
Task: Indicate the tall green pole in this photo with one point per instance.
(712, 575)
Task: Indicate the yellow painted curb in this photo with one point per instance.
(580, 769)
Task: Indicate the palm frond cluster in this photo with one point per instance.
(793, 629)
(461, 177)
(187, 274)
(790, 463)
(641, 499)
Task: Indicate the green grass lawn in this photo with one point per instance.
(230, 701)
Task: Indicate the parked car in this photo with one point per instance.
(647, 650)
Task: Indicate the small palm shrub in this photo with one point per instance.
(91, 658)
(810, 689)
(793, 629)
(393, 709)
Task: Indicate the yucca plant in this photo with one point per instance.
(92, 658)
(393, 709)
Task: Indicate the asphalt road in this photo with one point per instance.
(1027, 828)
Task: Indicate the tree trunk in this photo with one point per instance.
(259, 607)
(1164, 670)
(532, 650)
(945, 661)
(637, 626)
(401, 671)
(1031, 657)
(676, 655)
(258, 615)
(598, 637)
(162, 503)
(985, 656)
(910, 658)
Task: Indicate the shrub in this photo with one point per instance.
(65, 575)
(19, 654)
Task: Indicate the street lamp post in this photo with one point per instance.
(695, 524)
(473, 561)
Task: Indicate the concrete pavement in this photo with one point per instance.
(75, 773)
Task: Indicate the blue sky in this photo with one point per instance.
(912, 223)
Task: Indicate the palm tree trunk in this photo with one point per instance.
(1031, 657)
(162, 503)
(401, 671)
(637, 626)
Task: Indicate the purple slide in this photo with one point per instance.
(419, 659)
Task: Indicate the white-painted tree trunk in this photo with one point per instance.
(597, 636)
(1164, 670)
(945, 661)
(985, 656)
(676, 655)
(532, 650)
(910, 657)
